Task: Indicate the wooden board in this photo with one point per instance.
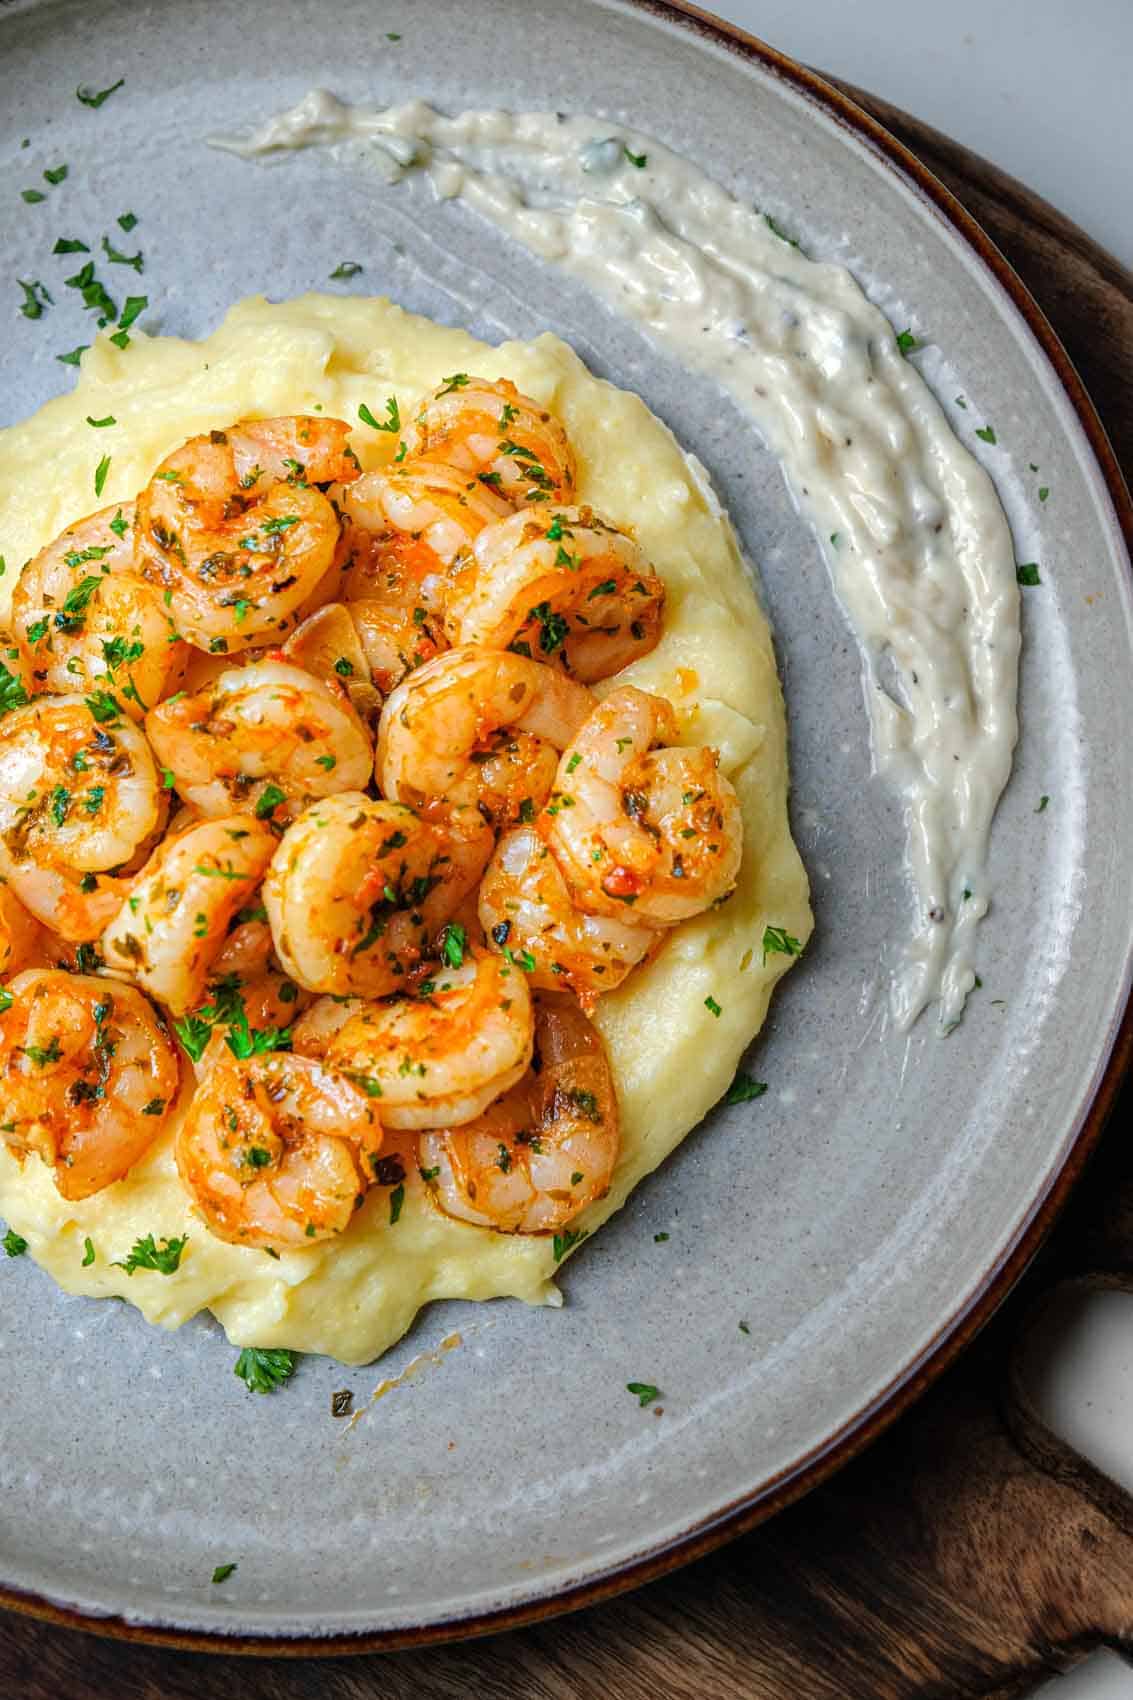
(968, 1553)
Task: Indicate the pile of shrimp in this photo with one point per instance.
(311, 823)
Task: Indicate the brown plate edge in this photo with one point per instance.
(958, 1332)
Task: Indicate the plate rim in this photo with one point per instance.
(976, 1309)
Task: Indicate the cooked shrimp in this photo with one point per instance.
(439, 1057)
(231, 524)
(558, 583)
(634, 827)
(394, 590)
(421, 516)
(499, 436)
(478, 727)
(85, 619)
(175, 921)
(88, 1075)
(277, 1150)
(328, 645)
(546, 1150)
(19, 931)
(79, 795)
(527, 912)
(357, 889)
(265, 734)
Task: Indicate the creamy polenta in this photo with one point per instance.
(676, 1028)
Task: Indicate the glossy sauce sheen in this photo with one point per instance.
(909, 523)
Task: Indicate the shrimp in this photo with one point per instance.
(633, 827)
(478, 727)
(233, 527)
(19, 931)
(497, 435)
(558, 583)
(79, 795)
(545, 1150)
(439, 1057)
(395, 594)
(357, 889)
(264, 734)
(277, 1150)
(526, 910)
(329, 646)
(175, 921)
(420, 517)
(88, 1076)
(84, 618)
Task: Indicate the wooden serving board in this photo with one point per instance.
(968, 1553)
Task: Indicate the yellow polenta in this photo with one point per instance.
(673, 1056)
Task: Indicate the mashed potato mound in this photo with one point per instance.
(674, 1031)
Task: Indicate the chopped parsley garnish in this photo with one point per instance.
(712, 1006)
(744, 1088)
(345, 268)
(6, 999)
(396, 1200)
(457, 381)
(35, 299)
(986, 434)
(154, 1107)
(554, 628)
(263, 1369)
(566, 1241)
(100, 424)
(88, 1252)
(453, 941)
(101, 471)
(14, 1244)
(37, 630)
(55, 176)
(744, 1329)
(638, 159)
(104, 706)
(1041, 805)
(776, 229)
(328, 762)
(907, 342)
(118, 258)
(269, 800)
(70, 245)
(1028, 573)
(127, 221)
(193, 1033)
(645, 1391)
(527, 811)
(60, 804)
(74, 355)
(223, 1572)
(41, 1055)
(12, 692)
(778, 942)
(31, 196)
(1044, 492)
(343, 667)
(393, 417)
(165, 1258)
(79, 595)
(89, 97)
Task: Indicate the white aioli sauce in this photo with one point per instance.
(912, 530)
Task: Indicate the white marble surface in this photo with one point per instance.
(1042, 88)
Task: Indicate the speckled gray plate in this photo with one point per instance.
(871, 1206)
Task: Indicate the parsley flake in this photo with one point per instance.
(223, 1572)
(165, 1258)
(345, 268)
(778, 942)
(14, 1244)
(90, 98)
(263, 1369)
(645, 1391)
(744, 1088)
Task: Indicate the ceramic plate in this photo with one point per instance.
(865, 1212)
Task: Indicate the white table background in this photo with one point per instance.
(1042, 87)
